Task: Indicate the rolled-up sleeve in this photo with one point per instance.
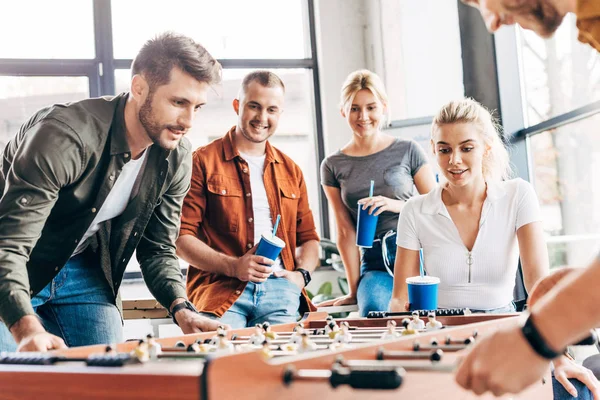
(195, 201)
(305, 222)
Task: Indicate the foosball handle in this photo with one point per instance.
(590, 340)
(366, 379)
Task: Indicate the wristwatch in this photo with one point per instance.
(536, 341)
(186, 304)
(305, 274)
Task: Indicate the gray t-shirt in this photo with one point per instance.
(392, 169)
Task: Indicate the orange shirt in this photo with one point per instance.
(588, 22)
(218, 211)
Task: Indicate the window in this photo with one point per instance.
(44, 29)
(559, 74)
(422, 66)
(21, 96)
(566, 172)
(227, 28)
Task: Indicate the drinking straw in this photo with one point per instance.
(276, 224)
(421, 270)
(371, 189)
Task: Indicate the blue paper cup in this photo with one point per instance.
(423, 292)
(366, 226)
(269, 246)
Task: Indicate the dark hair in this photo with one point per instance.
(265, 78)
(159, 55)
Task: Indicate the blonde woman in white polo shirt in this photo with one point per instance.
(474, 228)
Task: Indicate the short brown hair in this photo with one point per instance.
(264, 77)
(159, 55)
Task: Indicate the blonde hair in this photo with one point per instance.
(496, 160)
(359, 80)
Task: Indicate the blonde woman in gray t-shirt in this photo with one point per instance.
(395, 165)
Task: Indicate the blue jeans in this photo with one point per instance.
(276, 301)
(583, 393)
(77, 305)
(375, 284)
(509, 308)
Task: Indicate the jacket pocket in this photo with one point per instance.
(290, 195)
(224, 203)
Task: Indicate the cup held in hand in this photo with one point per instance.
(366, 226)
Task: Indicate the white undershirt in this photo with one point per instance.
(425, 222)
(260, 204)
(117, 198)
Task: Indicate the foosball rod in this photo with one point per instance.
(361, 378)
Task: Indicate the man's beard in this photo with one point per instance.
(153, 128)
(545, 15)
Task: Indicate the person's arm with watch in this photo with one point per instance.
(306, 261)
(511, 359)
(186, 316)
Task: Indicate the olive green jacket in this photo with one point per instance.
(55, 175)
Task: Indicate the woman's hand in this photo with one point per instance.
(379, 204)
(399, 305)
(565, 368)
(340, 301)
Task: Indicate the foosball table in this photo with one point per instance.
(380, 357)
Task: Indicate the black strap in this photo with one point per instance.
(536, 341)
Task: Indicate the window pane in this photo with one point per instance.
(227, 28)
(566, 170)
(423, 66)
(295, 135)
(21, 96)
(47, 29)
(559, 74)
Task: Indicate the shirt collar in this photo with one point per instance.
(230, 150)
(432, 204)
(118, 134)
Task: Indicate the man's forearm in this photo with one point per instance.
(566, 314)
(307, 255)
(199, 255)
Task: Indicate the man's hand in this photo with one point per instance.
(191, 322)
(253, 268)
(30, 335)
(505, 353)
(565, 368)
(293, 276)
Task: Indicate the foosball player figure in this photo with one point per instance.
(408, 329)
(416, 322)
(332, 329)
(223, 344)
(265, 350)
(141, 351)
(258, 337)
(343, 337)
(432, 324)
(306, 344)
(391, 332)
(154, 348)
(267, 331)
(110, 350)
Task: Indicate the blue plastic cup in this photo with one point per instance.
(269, 246)
(423, 292)
(366, 226)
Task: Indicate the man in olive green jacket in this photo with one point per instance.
(85, 184)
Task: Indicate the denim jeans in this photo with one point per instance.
(375, 284)
(77, 305)
(276, 301)
(560, 393)
(509, 308)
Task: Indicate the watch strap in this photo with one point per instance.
(305, 275)
(536, 341)
(186, 304)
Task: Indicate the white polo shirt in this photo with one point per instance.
(425, 222)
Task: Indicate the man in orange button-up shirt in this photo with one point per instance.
(240, 184)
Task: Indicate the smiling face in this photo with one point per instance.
(365, 114)
(460, 151)
(540, 16)
(258, 110)
(168, 110)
